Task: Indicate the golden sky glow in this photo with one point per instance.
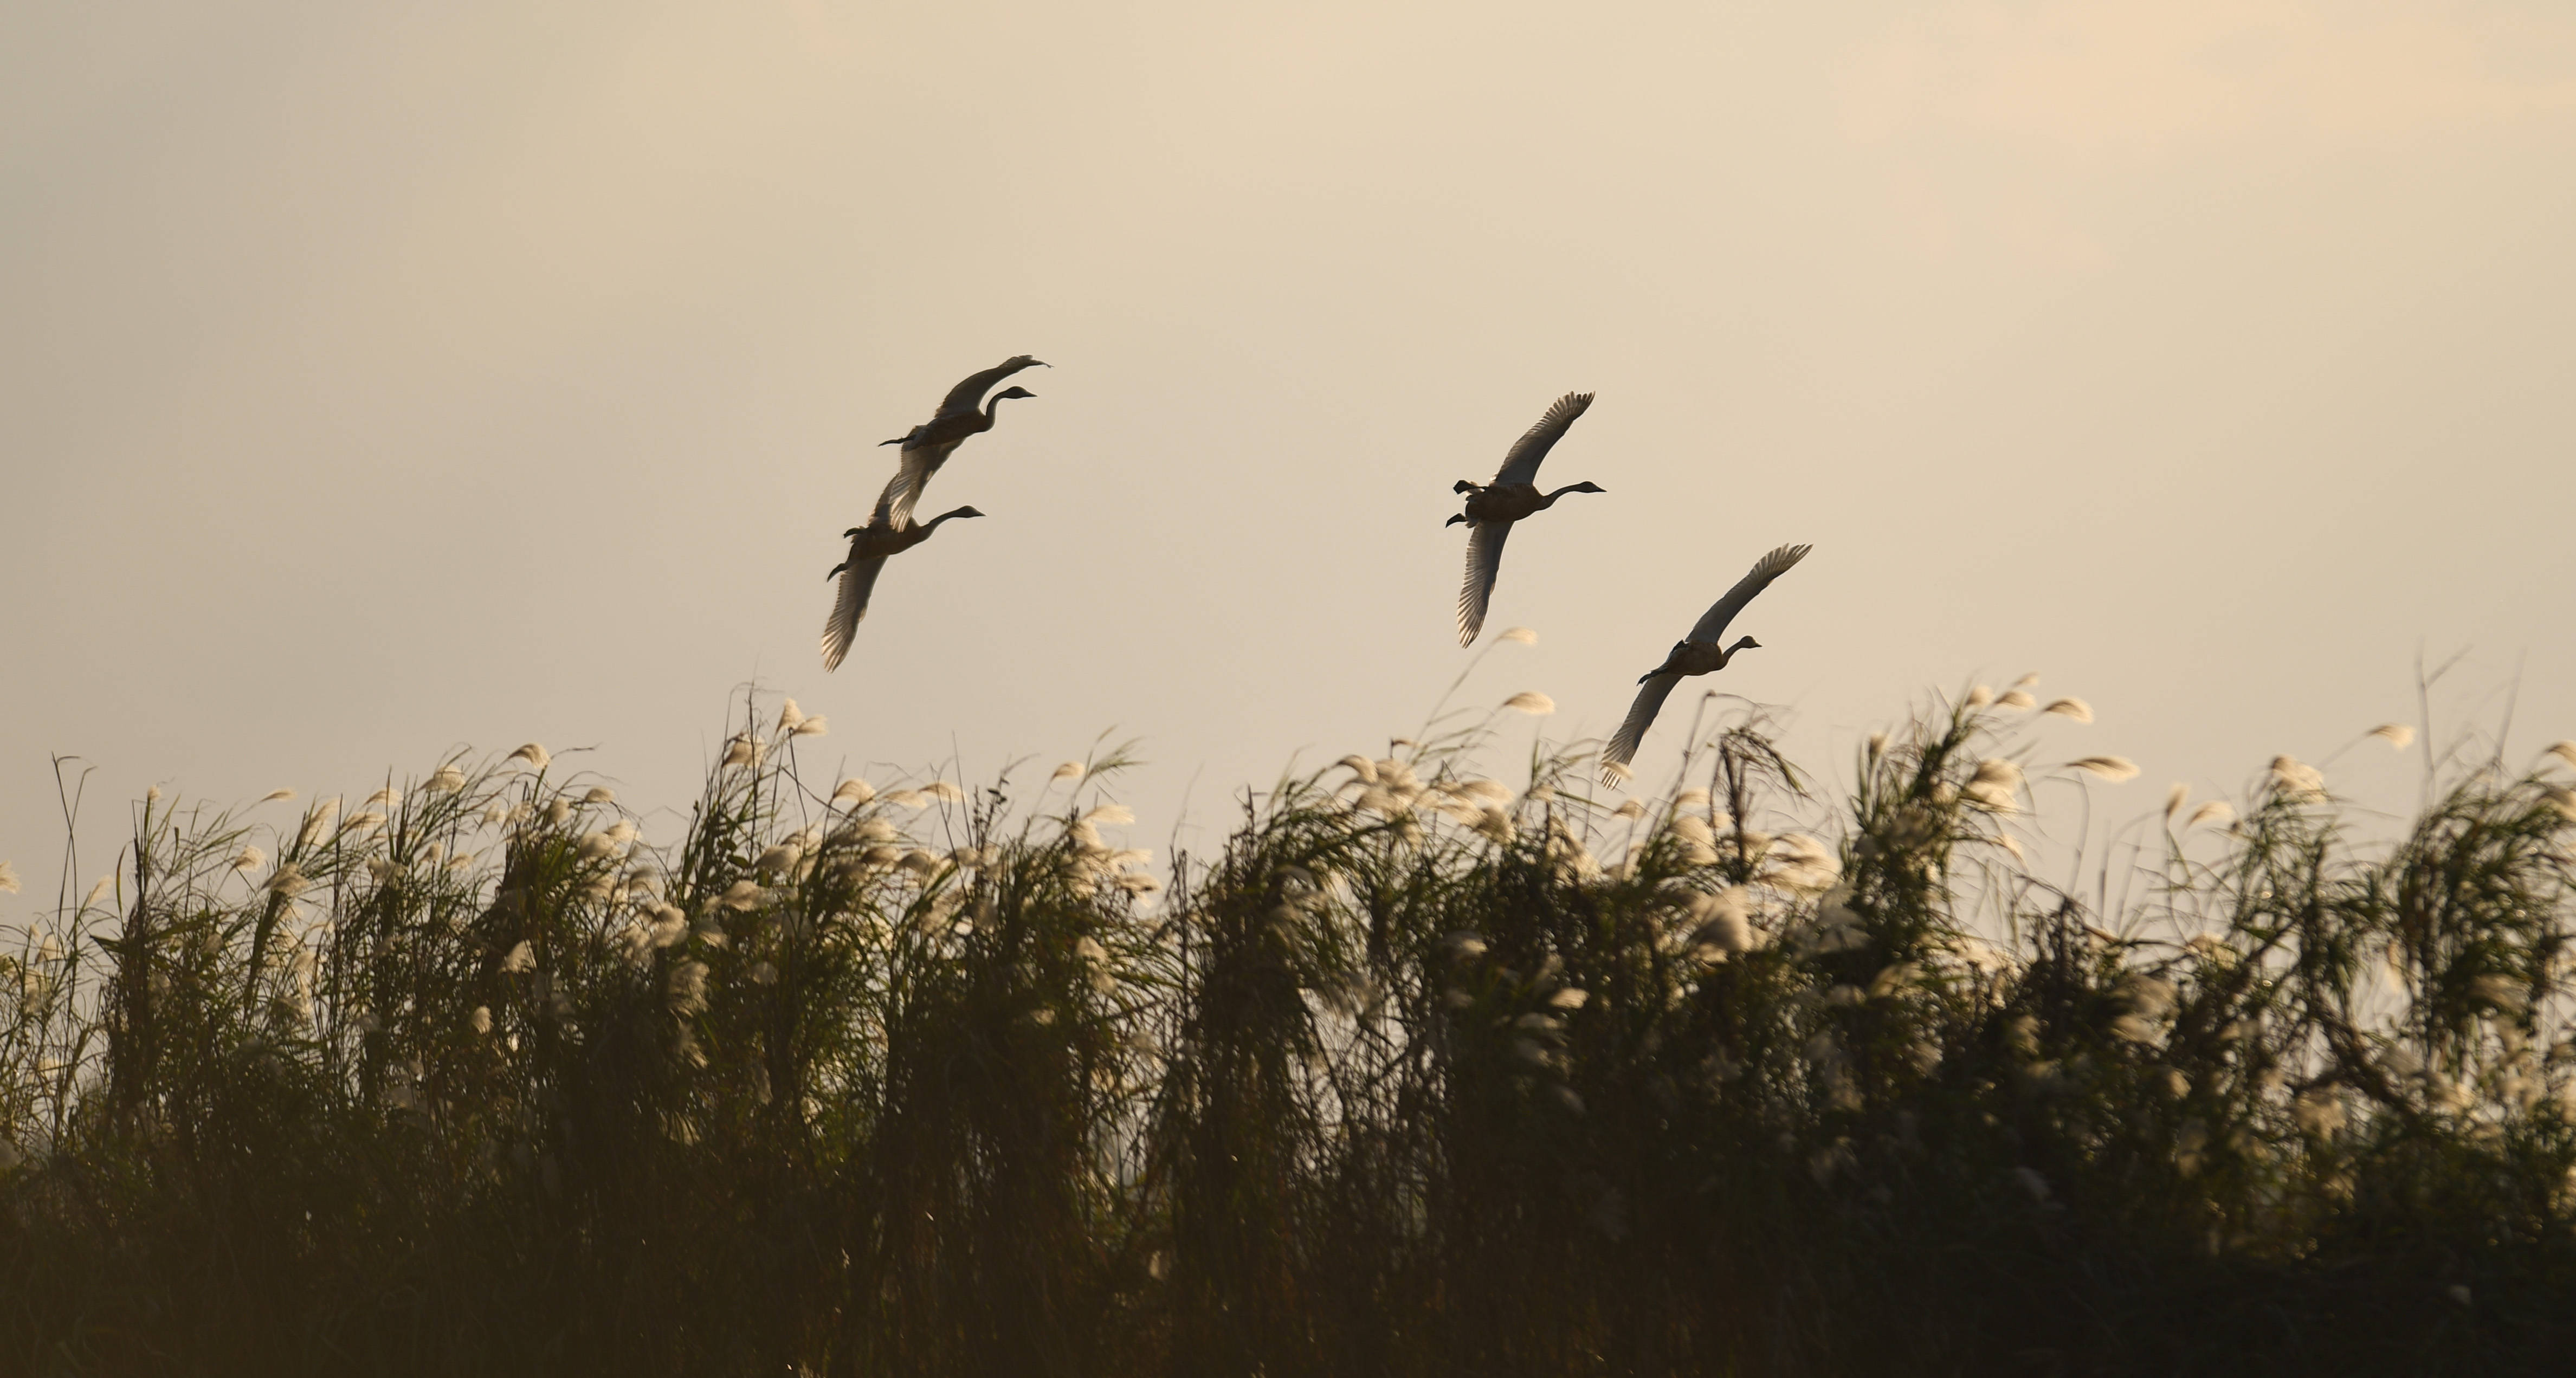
(375, 380)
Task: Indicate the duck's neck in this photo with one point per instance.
(991, 409)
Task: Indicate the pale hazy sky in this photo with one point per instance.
(375, 379)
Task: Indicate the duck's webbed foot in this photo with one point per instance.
(1464, 486)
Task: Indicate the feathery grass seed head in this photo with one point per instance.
(2319, 1112)
(688, 989)
(1995, 786)
(2295, 780)
(317, 822)
(2511, 994)
(1725, 920)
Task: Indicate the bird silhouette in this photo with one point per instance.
(1493, 507)
(1699, 653)
(870, 547)
(962, 413)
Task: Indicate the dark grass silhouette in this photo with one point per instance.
(1419, 1075)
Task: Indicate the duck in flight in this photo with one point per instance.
(870, 547)
(962, 413)
(1493, 507)
(1699, 653)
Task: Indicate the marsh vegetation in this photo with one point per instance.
(1422, 1072)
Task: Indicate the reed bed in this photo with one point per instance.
(1421, 1073)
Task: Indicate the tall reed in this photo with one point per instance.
(1420, 1073)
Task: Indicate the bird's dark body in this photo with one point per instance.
(1697, 658)
(1504, 502)
(878, 542)
(946, 430)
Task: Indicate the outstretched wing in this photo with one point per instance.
(1520, 465)
(1641, 715)
(858, 580)
(969, 395)
(911, 476)
(1712, 624)
(1484, 562)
